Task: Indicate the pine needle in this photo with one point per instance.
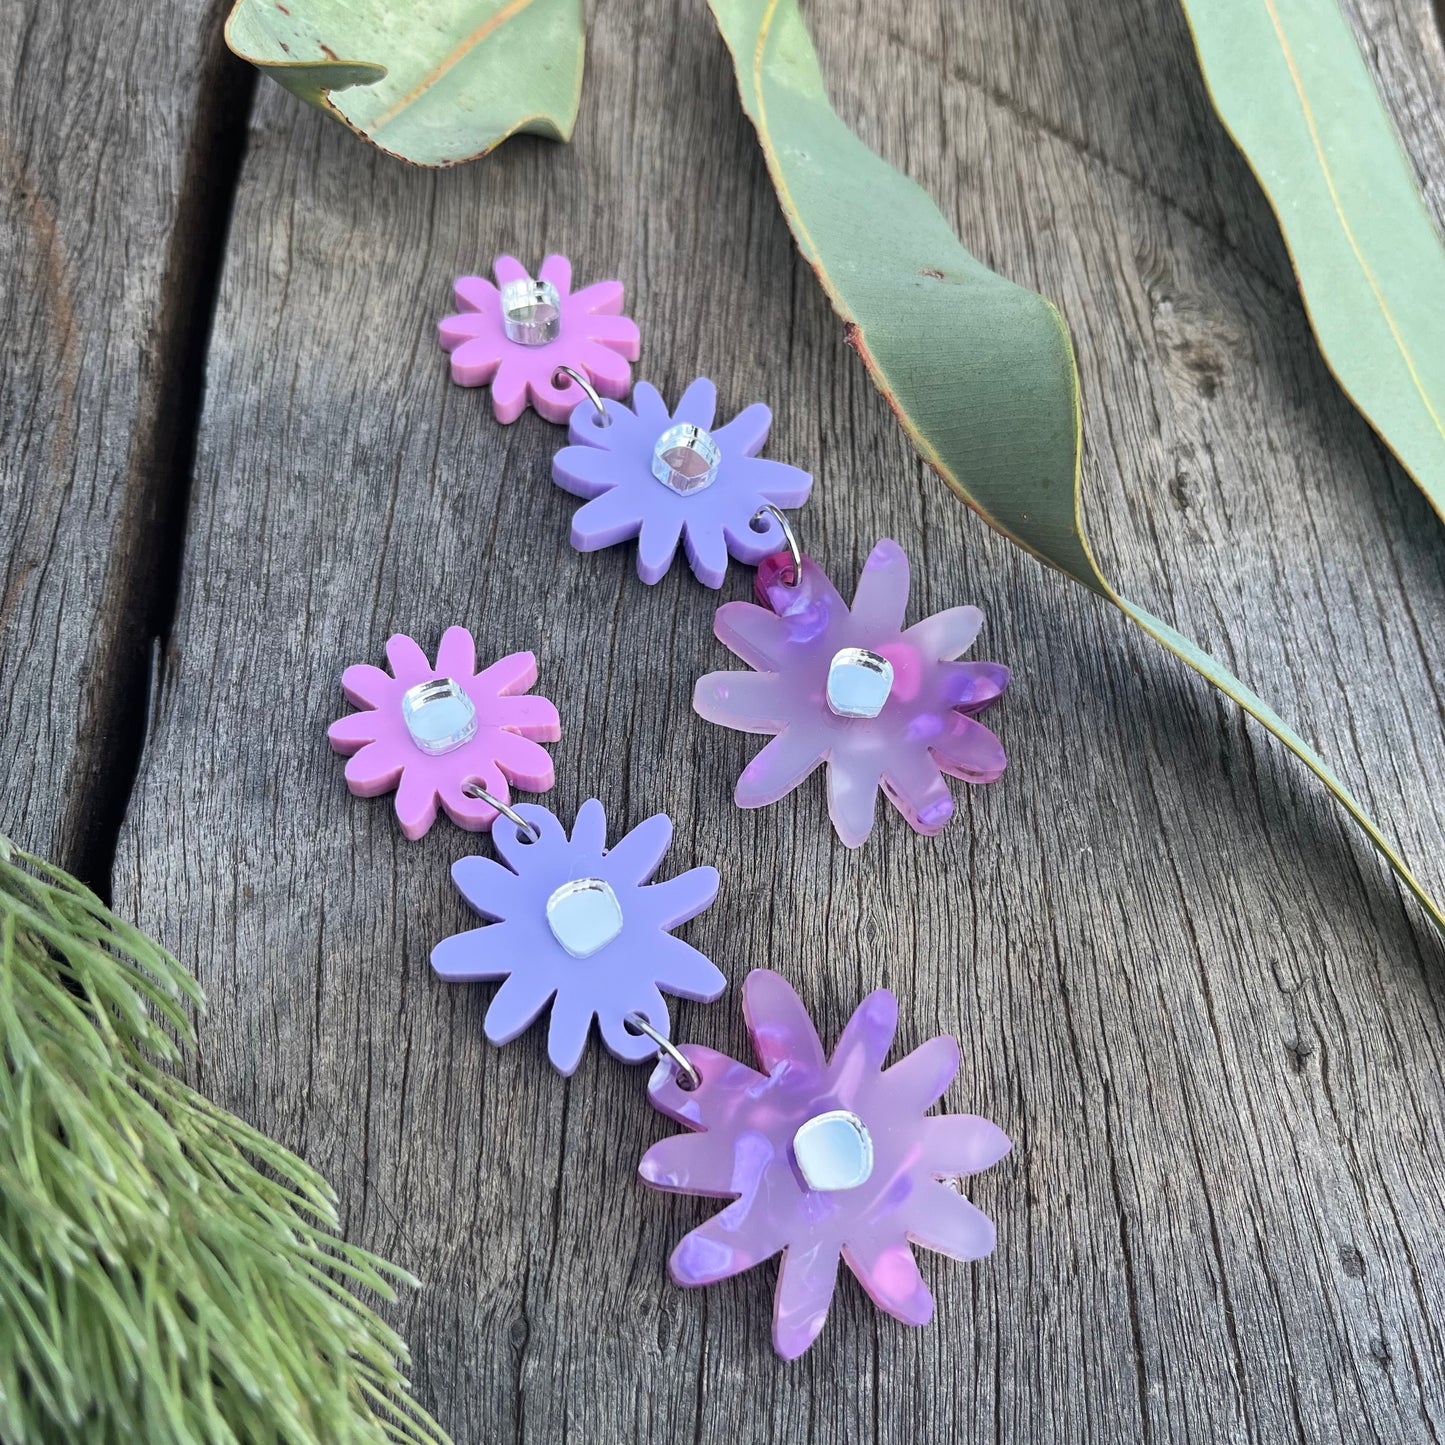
(167, 1273)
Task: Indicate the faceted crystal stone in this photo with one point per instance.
(584, 915)
(859, 682)
(833, 1151)
(685, 459)
(439, 715)
(531, 312)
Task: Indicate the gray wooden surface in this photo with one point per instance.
(1182, 984)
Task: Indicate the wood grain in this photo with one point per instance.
(116, 156)
(1182, 984)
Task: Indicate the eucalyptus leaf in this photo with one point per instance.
(434, 82)
(1292, 90)
(1000, 421)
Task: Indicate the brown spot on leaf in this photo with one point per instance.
(283, 10)
(852, 337)
(328, 52)
(929, 271)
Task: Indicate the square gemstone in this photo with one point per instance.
(834, 1151)
(439, 715)
(859, 682)
(584, 915)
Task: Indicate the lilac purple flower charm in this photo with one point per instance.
(579, 925)
(825, 1159)
(516, 334)
(437, 733)
(882, 706)
(665, 477)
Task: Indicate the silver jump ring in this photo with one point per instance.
(665, 1046)
(477, 791)
(789, 536)
(588, 390)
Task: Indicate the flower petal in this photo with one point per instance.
(508, 268)
(617, 333)
(527, 764)
(529, 717)
(698, 404)
(416, 803)
(509, 391)
(649, 407)
(778, 768)
(567, 1035)
(589, 829)
(919, 1080)
(409, 663)
(714, 1102)
(866, 1039)
(780, 484)
(605, 521)
(475, 362)
(852, 798)
(601, 298)
(726, 1245)
(946, 635)
(968, 750)
(889, 1273)
(455, 331)
(506, 676)
(707, 552)
(585, 471)
(656, 545)
(467, 811)
(457, 654)
(749, 702)
(475, 956)
(375, 770)
(881, 597)
(745, 434)
(691, 1164)
(806, 1279)
(608, 370)
(367, 686)
(476, 293)
(781, 1030)
(516, 846)
(914, 784)
(755, 634)
(682, 970)
(518, 1002)
(635, 856)
(355, 730)
(556, 271)
(940, 1218)
(973, 686)
(675, 900)
(489, 888)
(956, 1145)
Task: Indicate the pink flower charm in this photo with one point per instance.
(432, 733)
(558, 326)
(825, 1159)
(848, 686)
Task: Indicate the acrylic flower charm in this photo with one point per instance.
(579, 926)
(882, 706)
(435, 733)
(825, 1159)
(515, 335)
(665, 477)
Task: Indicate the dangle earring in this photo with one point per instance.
(848, 685)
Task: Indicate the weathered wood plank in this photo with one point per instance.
(1181, 983)
(117, 151)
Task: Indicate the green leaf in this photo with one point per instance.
(1288, 82)
(999, 418)
(167, 1274)
(434, 82)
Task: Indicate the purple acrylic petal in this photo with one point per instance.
(748, 1147)
(608, 975)
(918, 729)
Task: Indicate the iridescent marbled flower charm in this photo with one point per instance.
(847, 685)
(515, 335)
(665, 477)
(437, 733)
(579, 925)
(825, 1159)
